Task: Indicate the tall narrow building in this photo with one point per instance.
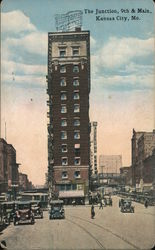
(68, 101)
(93, 147)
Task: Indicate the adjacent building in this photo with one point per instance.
(149, 171)
(126, 175)
(93, 147)
(143, 145)
(134, 156)
(110, 163)
(68, 112)
(8, 166)
(24, 183)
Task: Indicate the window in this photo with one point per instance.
(68, 187)
(64, 148)
(77, 146)
(63, 122)
(75, 68)
(63, 109)
(63, 82)
(75, 51)
(74, 186)
(76, 82)
(64, 161)
(77, 149)
(76, 108)
(76, 134)
(63, 135)
(77, 174)
(64, 175)
(63, 96)
(62, 52)
(76, 95)
(62, 187)
(76, 122)
(62, 69)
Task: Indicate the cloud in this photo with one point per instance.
(35, 42)
(24, 80)
(122, 64)
(137, 68)
(23, 68)
(21, 36)
(16, 21)
(139, 80)
(120, 51)
(22, 42)
(92, 41)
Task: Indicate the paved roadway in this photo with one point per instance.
(110, 229)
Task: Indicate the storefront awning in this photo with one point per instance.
(71, 194)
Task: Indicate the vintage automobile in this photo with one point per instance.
(108, 201)
(8, 211)
(121, 202)
(23, 213)
(36, 209)
(1, 218)
(126, 206)
(56, 210)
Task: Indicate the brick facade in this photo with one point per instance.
(68, 91)
(8, 166)
(143, 145)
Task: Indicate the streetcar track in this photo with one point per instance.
(108, 230)
(91, 235)
(147, 214)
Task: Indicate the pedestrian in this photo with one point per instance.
(146, 203)
(101, 205)
(92, 211)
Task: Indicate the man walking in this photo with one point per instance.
(101, 205)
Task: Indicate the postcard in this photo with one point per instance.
(77, 125)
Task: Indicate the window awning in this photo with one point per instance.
(77, 146)
(71, 194)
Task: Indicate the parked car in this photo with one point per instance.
(108, 201)
(56, 210)
(126, 206)
(121, 202)
(24, 212)
(1, 218)
(8, 211)
(36, 209)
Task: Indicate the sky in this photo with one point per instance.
(122, 65)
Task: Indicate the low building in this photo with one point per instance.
(8, 166)
(110, 163)
(24, 183)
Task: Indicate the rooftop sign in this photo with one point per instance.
(68, 21)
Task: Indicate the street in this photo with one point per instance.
(110, 229)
